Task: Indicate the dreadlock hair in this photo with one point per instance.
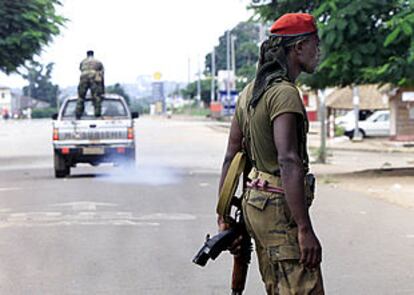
(273, 63)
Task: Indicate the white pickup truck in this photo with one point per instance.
(106, 139)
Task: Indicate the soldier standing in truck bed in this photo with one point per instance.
(92, 77)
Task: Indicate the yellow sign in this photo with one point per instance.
(157, 76)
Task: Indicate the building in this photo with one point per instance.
(402, 114)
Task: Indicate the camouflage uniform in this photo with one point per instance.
(267, 215)
(92, 77)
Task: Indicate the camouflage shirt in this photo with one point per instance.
(91, 68)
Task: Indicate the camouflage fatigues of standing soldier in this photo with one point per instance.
(92, 77)
(270, 125)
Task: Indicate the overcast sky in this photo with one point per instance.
(137, 37)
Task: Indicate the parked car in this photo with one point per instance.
(378, 124)
(109, 138)
(349, 117)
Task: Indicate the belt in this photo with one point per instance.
(269, 178)
(264, 181)
(261, 185)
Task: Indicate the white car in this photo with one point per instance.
(349, 117)
(378, 124)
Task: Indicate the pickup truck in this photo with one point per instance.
(94, 140)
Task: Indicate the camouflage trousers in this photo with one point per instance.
(97, 90)
(269, 222)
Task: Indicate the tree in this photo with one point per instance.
(118, 89)
(40, 86)
(399, 69)
(191, 90)
(353, 35)
(246, 51)
(25, 27)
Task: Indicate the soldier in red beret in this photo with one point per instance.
(270, 127)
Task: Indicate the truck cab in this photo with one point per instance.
(109, 138)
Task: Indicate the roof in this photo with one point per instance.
(371, 97)
(106, 95)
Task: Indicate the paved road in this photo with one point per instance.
(109, 231)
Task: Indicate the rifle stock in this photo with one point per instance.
(241, 263)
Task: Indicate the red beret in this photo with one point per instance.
(294, 24)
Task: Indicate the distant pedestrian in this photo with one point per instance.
(92, 77)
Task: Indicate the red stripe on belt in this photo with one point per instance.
(264, 186)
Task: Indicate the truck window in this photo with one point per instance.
(110, 108)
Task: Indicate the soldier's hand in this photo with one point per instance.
(235, 247)
(310, 248)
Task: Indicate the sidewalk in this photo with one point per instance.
(343, 143)
(377, 167)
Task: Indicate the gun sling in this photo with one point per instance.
(230, 185)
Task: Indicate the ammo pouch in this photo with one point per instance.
(310, 184)
(98, 77)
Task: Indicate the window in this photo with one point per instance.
(110, 108)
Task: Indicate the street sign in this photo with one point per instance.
(157, 76)
(228, 103)
(260, 2)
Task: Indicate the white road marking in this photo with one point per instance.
(120, 218)
(168, 216)
(77, 222)
(363, 212)
(7, 189)
(84, 206)
(204, 184)
(410, 236)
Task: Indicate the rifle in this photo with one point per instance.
(215, 245)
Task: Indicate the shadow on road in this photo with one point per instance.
(89, 175)
(383, 172)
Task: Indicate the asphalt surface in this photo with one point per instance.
(106, 230)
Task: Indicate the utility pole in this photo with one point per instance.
(262, 33)
(322, 118)
(233, 54)
(357, 135)
(189, 71)
(199, 82)
(213, 75)
(228, 65)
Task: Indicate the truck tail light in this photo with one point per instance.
(65, 151)
(130, 133)
(55, 134)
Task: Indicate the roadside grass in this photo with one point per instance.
(193, 110)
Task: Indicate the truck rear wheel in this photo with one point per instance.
(61, 168)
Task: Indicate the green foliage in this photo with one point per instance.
(399, 68)
(40, 86)
(279, 7)
(362, 41)
(246, 48)
(193, 109)
(43, 113)
(339, 130)
(191, 90)
(142, 106)
(25, 27)
(118, 89)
